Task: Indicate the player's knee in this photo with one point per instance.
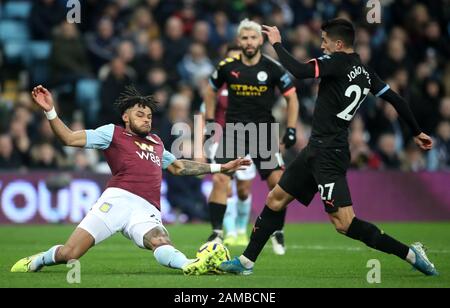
(275, 201)
(341, 226)
(243, 193)
(341, 229)
(156, 237)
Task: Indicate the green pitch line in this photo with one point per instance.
(316, 256)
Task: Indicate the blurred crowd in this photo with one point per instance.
(170, 47)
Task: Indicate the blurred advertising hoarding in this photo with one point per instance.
(55, 197)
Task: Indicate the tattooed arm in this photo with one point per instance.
(189, 167)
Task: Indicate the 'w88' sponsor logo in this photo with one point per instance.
(147, 153)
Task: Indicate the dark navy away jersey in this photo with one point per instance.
(345, 83)
(251, 89)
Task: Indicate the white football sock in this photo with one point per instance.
(247, 263)
(411, 257)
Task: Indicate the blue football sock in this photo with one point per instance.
(243, 213)
(47, 259)
(167, 255)
(229, 220)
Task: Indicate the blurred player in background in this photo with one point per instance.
(322, 165)
(237, 214)
(131, 202)
(249, 79)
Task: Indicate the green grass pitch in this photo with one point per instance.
(316, 257)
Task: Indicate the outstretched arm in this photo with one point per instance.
(43, 98)
(189, 167)
(380, 89)
(401, 106)
(297, 69)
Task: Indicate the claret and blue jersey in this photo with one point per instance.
(136, 163)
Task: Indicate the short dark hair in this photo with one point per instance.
(340, 29)
(131, 97)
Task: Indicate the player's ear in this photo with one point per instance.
(125, 117)
(261, 39)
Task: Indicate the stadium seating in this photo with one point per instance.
(14, 51)
(14, 36)
(87, 97)
(36, 58)
(13, 30)
(38, 51)
(17, 10)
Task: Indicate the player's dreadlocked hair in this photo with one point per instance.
(131, 97)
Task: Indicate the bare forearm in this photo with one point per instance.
(210, 103)
(61, 130)
(66, 135)
(193, 168)
(292, 110)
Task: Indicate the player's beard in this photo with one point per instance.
(139, 130)
(250, 55)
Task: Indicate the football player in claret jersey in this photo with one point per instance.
(131, 202)
(322, 165)
(251, 80)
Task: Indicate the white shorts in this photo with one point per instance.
(119, 210)
(243, 175)
(248, 174)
